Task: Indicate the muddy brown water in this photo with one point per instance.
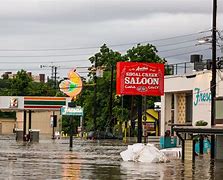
(51, 159)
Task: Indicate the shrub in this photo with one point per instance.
(201, 123)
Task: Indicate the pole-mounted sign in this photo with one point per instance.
(71, 86)
(69, 111)
(134, 78)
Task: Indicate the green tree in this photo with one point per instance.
(142, 53)
(40, 89)
(121, 114)
(66, 124)
(20, 83)
(4, 87)
(106, 59)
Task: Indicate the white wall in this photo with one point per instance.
(199, 84)
(40, 120)
(177, 83)
(202, 98)
(5, 102)
(165, 112)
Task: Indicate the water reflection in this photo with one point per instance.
(92, 160)
(135, 170)
(71, 166)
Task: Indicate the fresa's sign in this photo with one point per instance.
(76, 111)
(135, 78)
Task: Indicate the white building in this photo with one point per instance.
(187, 98)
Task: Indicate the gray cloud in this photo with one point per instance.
(28, 24)
(97, 10)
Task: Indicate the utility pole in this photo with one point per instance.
(54, 78)
(54, 72)
(213, 81)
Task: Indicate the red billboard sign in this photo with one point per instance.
(134, 78)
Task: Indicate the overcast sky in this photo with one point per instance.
(43, 32)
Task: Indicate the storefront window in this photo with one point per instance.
(189, 107)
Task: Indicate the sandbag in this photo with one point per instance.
(140, 152)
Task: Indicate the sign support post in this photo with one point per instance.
(24, 125)
(71, 87)
(139, 138)
(140, 79)
(53, 133)
(71, 132)
(71, 111)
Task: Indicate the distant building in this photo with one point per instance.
(36, 78)
(13, 108)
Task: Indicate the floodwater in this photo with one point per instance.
(51, 159)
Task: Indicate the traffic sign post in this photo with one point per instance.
(72, 86)
(72, 111)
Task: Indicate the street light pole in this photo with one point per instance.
(213, 81)
(95, 94)
(110, 101)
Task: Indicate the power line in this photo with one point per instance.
(50, 55)
(186, 53)
(177, 48)
(34, 62)
(176, 43)
(33, 69)
(112, 45)
(189, 52)
(61, 55)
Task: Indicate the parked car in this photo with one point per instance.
(101, 135)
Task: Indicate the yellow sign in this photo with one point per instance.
(73, 85)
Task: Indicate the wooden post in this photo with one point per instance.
(30, 122)
(71, 133)
(24, 125)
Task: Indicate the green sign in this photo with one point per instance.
(201, 96)
(72, 111)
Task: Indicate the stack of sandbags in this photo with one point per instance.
(140, 152)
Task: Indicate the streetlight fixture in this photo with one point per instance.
(205, 40)
(208, 39)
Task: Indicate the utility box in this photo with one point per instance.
(168, 142)
(34, 135)
(19, 134)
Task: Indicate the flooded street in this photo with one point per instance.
(51, 159)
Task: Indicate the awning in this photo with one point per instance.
(199, 129)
